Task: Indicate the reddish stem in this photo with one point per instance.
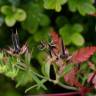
(62, 94)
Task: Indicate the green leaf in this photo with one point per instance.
(77, 39)
(71, 34)
(86, 8)
(54, 4)
(24, 77)
(34, 17)
(38, 36)
(6, 10)
(45, 20)
(10, 21)
(3, 68)
(83, 6)
(20, 15)
(77, 28)
(12, 72)
(72, 4)
(65, 33)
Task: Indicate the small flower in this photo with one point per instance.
(14, 52)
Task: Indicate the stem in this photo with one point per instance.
(59, 83)
(36, 85)
(39, 75)
(31, 88)
(66, 86)
(19, 67)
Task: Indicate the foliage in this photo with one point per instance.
(75, 38)
(57, 4)
(12, 15)
(74, 5)
(83, 54)
(55, 31)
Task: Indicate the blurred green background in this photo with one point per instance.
(74, 20)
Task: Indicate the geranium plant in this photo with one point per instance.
(48, 44)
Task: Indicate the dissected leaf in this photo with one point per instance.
(13, 14)
(72, 4)
(83, 54)
(35, 17)
(83, 6)
(24, 77)
(54, 4)
(77, 39)
(65, 34)
(3, 68)
(77, 28)
(86, 8)
(12, 73)
(45, 20)
(38, 36)
(71, 79)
